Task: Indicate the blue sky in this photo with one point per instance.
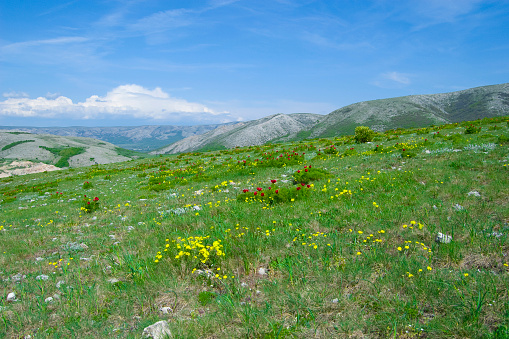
(112, 63)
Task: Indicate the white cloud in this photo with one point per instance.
(397, 77)
(17, 46)
(392, 80)
(127, 101)
(14, 94)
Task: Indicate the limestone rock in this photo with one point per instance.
(159, 330)
(443, 238)
(11, 297)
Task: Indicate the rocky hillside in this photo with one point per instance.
(416, 111)
(57, 150)
(380, 115)
(254, 132)
(138, 138)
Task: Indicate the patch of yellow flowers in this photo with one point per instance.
(193, 247)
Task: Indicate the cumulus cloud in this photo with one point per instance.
(127, 101)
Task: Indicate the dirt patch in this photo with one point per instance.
(25, 167)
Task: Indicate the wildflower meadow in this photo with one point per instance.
(401, 234)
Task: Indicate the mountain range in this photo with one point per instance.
(137, 138)
(380, 115)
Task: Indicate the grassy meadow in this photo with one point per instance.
(323, 238)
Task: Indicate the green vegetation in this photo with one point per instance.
(12, 144)
(18, 133)
(348, 240)
(363, 134)
(65, 153)
(129, 153)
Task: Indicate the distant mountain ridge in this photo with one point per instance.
(255, 132)
(401, 112)
(138, 138)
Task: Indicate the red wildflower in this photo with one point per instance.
(277, 191)
(96, 199)
(258, 188)
(262, 194)
(273, 181)
(308, 186)
(302, 184)
(298, 188)
(255, 193)
(245, 190)
(306, 170)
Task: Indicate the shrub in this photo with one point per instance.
(472, 129)
(503, 139)
(407, 154)
(363, 134)
(330, 150)
(87, 185)
(89, 205)
(349, 152)
(309, 174)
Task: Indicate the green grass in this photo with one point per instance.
(12, 144)
(65, 153)
(351, 254)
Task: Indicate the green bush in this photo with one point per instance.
(309, 174)
(89, 205)
(349, 152)
(363, 134)
(87, 185)
(472, 129)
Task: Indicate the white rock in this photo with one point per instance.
(11, 297)
(474, 193)
(165, 310)
(113, 280)
(159, 330)
(335, 300)
(60, 283)
(262, 271)
(458, 207)
(18, 277)
(244, 284)
(83, 245)
(42, 277)
(39, 259)
(48, 300)
(443, 238)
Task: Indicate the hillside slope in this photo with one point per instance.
(249, 133)
(416, 111)
(401, 112)
(138, 138)
(52, 149)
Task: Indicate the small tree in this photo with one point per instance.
(363, 134)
